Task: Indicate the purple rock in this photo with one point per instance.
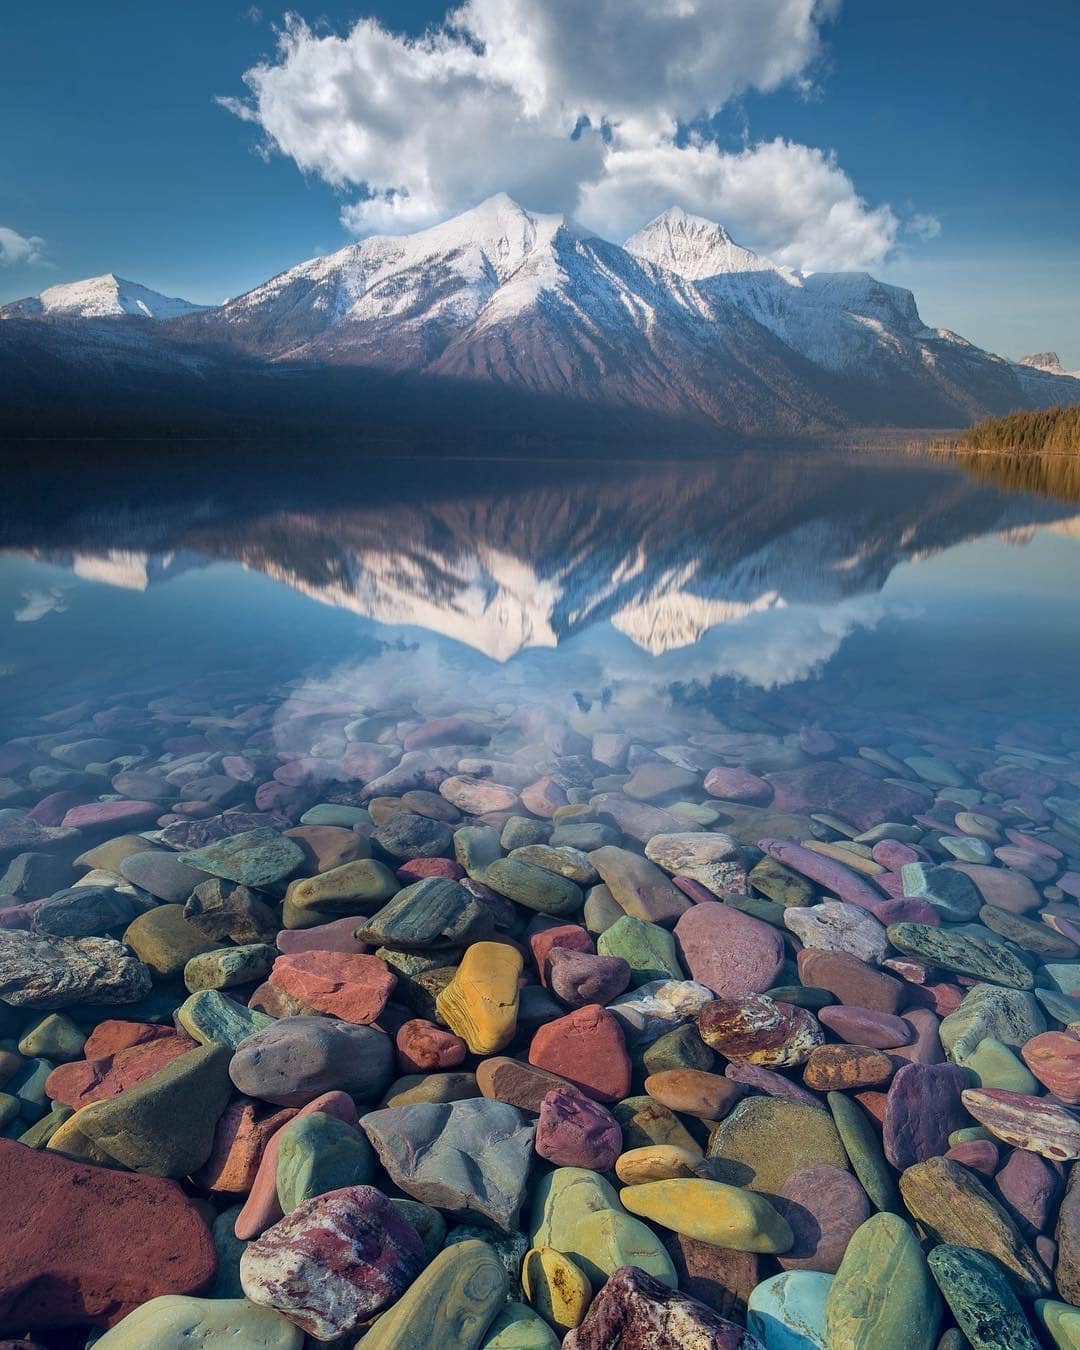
(1030, 1186)
(578, 978)
(922, 1109)
(124, 815)
(573, 1131)
(772, 1084)
(849, 793)
(633, 1311)
(729, 952)
(827, 872)
(823, 1206)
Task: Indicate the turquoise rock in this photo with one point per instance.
(953, 894)
(787, 1311)
(330, 813)
(320, 1153)
(648, 949)
(517, 1327)
(1064, 977)
(996, 1066)
(229, 1250)
(28, 1087)
(883, 1293)
(256, 858)
(981, 1299)
(209, 1017)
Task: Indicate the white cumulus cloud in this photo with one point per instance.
(20, 248)
(591, 109)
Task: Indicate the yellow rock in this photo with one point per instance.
(661, 1162)
(711, 1211)
(556, 1288)
(480, 1004)
(69, 1140)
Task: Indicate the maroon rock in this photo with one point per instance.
(575, 1132)
(998, 886)
(922, 1109)
(852, 981)
(86, 1245)
(416, 869)
(925, 1047)
(568, 935)
(720, 1277)
(586, 1047)
(834, 876)
(979, 1155)
(729, 952)
(116, 816)
(772, 1084)
(865, 1026)
(334, 1262)
(635, 1312)
(758, 1029)
(892, 854)
(694, 890)
(422, 1046)
(339, 935)
(85, 1081)
(1010, 780)
(738, 785)
(853, 795)
(52, 809)
(823, 1206)
(287, 801)
(578, 978)
(1030, 1186)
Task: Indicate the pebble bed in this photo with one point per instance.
(481, 1026)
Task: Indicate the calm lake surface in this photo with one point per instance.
(762, 588)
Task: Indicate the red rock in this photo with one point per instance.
(892, 854)
(980, 1155)
(729, 952)
(586, 1047)
(544, 797)
(112, 815)
(864, 1026)
(522, 1085)
(336, 936)
(52, 809)
(82, 1245)
(85, 1081)
(852, 794)
(922, 1109)
(559, 935)
(261, 1208)
(354, 988)
(423, 1046)
(1054, 1059)
(852, 981)
(328, 846)
(694, 890)
(113, 1035)
(720, 1277)
(873, 1103)
(738, 785)
(242, 1133)
(416, 869)
(823, 1206)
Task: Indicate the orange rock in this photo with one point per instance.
(241, 1136)
(354, 988)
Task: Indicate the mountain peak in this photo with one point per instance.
(1048, 361)
(693, 247)
(103, 297)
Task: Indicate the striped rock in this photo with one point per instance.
(1026, 1122)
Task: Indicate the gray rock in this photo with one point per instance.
(434, 913)
(86, 911)
(29, 876)
(257, 858)
(161, 874)
(407, 835)
(299, 1058)
(468, 1158)
(55, 972)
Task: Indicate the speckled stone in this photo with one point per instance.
(981, 1299)
(765, 1141)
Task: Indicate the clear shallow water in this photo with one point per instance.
(767, 581)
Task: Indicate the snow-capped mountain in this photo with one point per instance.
(1049, 363)
(104, 297)
(680, 321)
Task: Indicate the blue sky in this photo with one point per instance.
(954, 139)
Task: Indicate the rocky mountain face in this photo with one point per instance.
(679, 320)
(1049, 363)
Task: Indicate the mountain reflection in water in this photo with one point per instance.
(753, 566)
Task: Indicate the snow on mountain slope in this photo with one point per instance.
(103, 297)
(693, 247)
(1049, 363)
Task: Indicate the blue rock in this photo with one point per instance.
(787, 1312)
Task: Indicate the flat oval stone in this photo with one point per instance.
(765, 1141)
(1054, 1059)
(968, 949)
(295, 1060)
(1026, 1122)
(642, 889)
(319, 1153)
(845, 1067)
(534, 887)
(711, 1211)
(334, 1262)
(729, 952)
(883, 1293)
(258, 858)
(517, 1327)
(864, 1026)
(823, 1207)
(176, 1322)
(709, 1096)
(834, 926)
(344, 985)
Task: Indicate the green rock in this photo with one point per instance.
(969, 949)
(583, 834)
(164, 940)
(765, 1141)
(519, 832)
(1064, 977)
(432, 1087)
(1060, 1007)
(178, 1322)
(428, 1222)
(343, 890)
(258, 858)
(995, 1066)
(934, 769)
(564, 861)
(534, 887)
(331, 813)
(768, 911)
(780, 884)
(517, 1327)
(28, 1088)
(967, 849)
(802, 996)
(603, 1241)
(55, 1038)
(229, 1250)
(452, 1303)
(1010, 1015)
(229, 966)
(39, 1134)
(981, 1299)
(1062, 1322)
(9, 1109)
(476, 847)
(211, 1018)
(883, 1294)
(164, 1126)
(696, 811)
(862, 1144)
(561, 1199)
(681, 1048)
(601, 910)
(646, 1122)
(320, 1153)
(968, 1135)
(648, 949)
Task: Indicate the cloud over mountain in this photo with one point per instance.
(597, 110)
